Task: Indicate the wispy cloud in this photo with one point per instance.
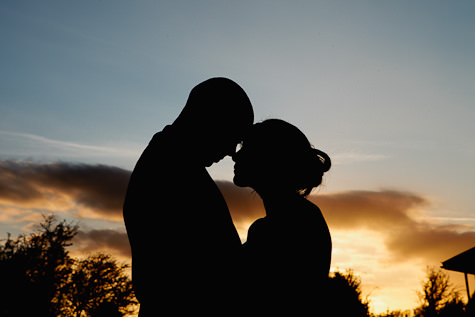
(453, 219)
(16, 144)
(357, 157)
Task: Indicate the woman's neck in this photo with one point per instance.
(277, 203)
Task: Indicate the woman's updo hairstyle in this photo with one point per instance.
(297, 165)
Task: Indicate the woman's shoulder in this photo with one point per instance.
(308, 211)
(256, 226)
(258, 223)
(310, 220)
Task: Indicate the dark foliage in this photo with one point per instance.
(40, 278)
(345, 296)
(438, 298)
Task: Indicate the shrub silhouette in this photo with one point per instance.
(345, 297)
(439, 298)
(40, 278)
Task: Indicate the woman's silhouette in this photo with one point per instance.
(288, 252)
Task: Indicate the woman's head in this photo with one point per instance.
(276, 155)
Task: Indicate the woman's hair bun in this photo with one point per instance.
(311, 172)
(323, 158)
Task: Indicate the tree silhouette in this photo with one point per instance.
(103, 284)
(34, 270)
(438, 297)
(345, 295)
(395, 313)
(39, 277)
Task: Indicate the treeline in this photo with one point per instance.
(38, 277)
(438, 298)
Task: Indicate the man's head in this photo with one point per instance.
(216, 116)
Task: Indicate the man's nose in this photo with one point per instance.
(236, 155)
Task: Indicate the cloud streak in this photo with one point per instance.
(27, 144)
(97, 191)
(354, 157)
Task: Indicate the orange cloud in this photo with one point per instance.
(398, 216)
(97, 191)
(62, 186)
(376, 210)
(114, 241)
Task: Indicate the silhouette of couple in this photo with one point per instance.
(187, 257)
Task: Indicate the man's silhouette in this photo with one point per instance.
(184, 244)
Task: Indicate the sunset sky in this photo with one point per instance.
(386, 88)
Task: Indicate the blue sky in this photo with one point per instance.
(366, 80)
(387, 88)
